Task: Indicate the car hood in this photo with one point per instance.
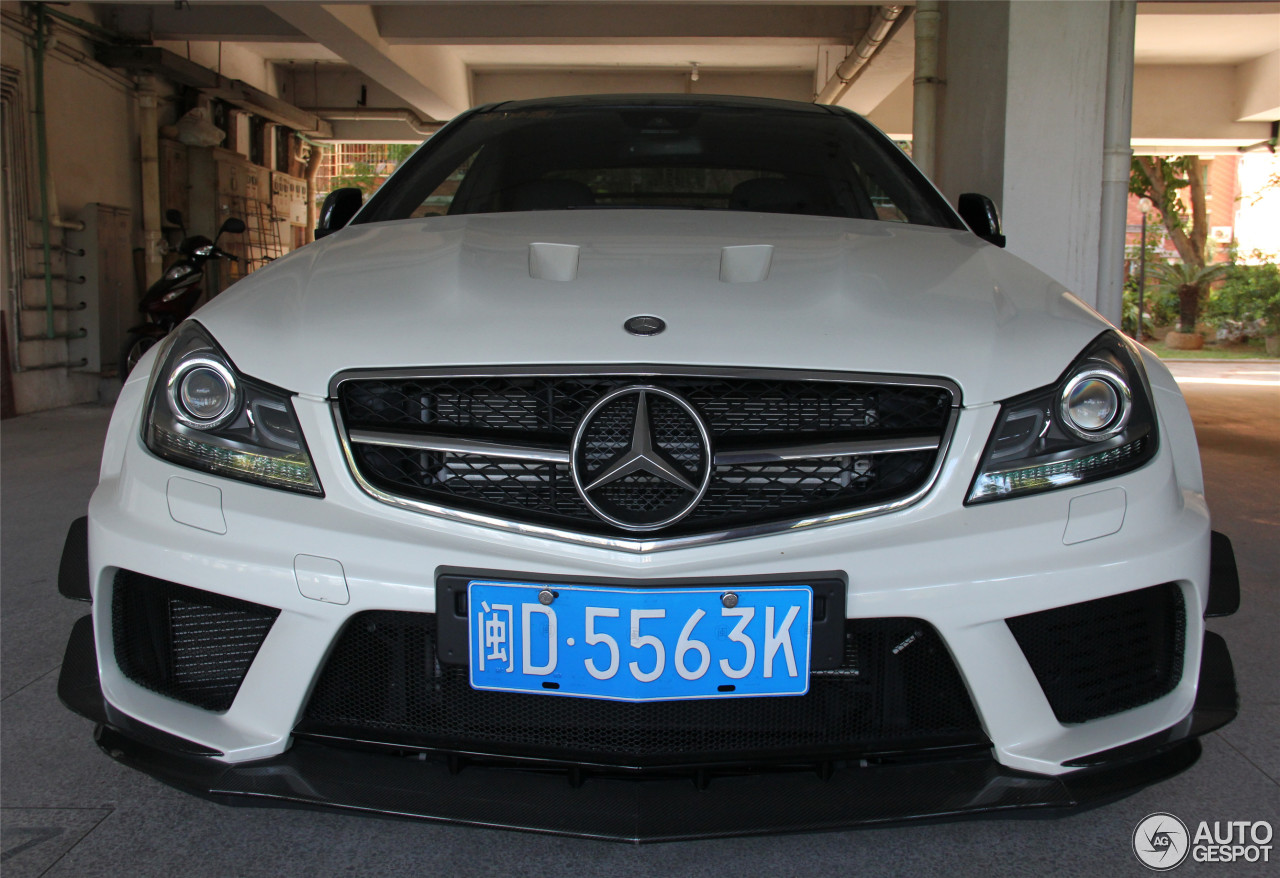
(842, 295)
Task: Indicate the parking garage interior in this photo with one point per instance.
(117, 116)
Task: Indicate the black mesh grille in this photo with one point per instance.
(739, 413)
(188, 644)
(896, 689)
(1100, 657)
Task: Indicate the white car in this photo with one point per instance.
(651, 467)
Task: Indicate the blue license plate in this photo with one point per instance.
(640, 644)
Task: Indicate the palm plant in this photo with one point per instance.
(1189, 282)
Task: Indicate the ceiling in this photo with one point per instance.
(437, 58)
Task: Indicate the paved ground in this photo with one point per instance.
(68, 810)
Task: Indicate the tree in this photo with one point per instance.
(1189, 282)
(1162, 178)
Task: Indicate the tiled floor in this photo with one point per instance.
(68, 810)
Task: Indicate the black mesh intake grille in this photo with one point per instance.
(188, 644)
(1100, 657)
(736, 495)
(896, 689)
(551, 406)
(741, 415)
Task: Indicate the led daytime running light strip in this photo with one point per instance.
(1058, 474)
(293, 471)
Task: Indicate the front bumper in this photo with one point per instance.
(650, 807)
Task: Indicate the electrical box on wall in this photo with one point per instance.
(289, 205)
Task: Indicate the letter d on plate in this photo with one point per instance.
(526, 639)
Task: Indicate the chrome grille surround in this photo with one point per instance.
(537, 459)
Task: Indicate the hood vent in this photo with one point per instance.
(745, 264)
(558, 262)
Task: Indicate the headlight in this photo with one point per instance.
(177, 270)
(1097, 421)
(201, 413)
(203, 393)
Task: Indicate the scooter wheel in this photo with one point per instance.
(131, 352)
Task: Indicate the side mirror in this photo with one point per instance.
(339, 207)
(234, 225)
(981, 215)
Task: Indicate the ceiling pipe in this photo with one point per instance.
(875, 35)
(924, 110)
(154, 61)
(149, 160)
(42, 162)
(1116, 159)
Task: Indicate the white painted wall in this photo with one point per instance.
(893, 115)
(93, 157)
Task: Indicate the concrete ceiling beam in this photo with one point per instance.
(429, 79)
(215, 22)
(1258, 89)
(521, 84)
(636, 23)
(1191, 104)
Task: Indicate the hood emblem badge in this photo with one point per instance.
(641, 458)
(645, 324)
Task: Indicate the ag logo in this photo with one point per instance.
(1161, 841)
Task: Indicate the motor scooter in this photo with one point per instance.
(172, 298)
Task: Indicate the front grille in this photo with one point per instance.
(1101, 657)
(188, 644)
(896, 689)
(741, 415)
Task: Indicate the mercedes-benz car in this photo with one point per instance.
(651, 467)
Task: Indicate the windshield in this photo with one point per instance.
(694, 157)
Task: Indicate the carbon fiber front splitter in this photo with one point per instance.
(565, 801)
(636, 809)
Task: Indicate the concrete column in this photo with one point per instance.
(1021, 119)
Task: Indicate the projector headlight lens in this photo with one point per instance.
(203, 393)
(1096, 403)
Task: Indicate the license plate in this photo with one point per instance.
(640, 644)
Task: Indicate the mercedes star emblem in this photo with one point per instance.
(641, 458)
(645, 324)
